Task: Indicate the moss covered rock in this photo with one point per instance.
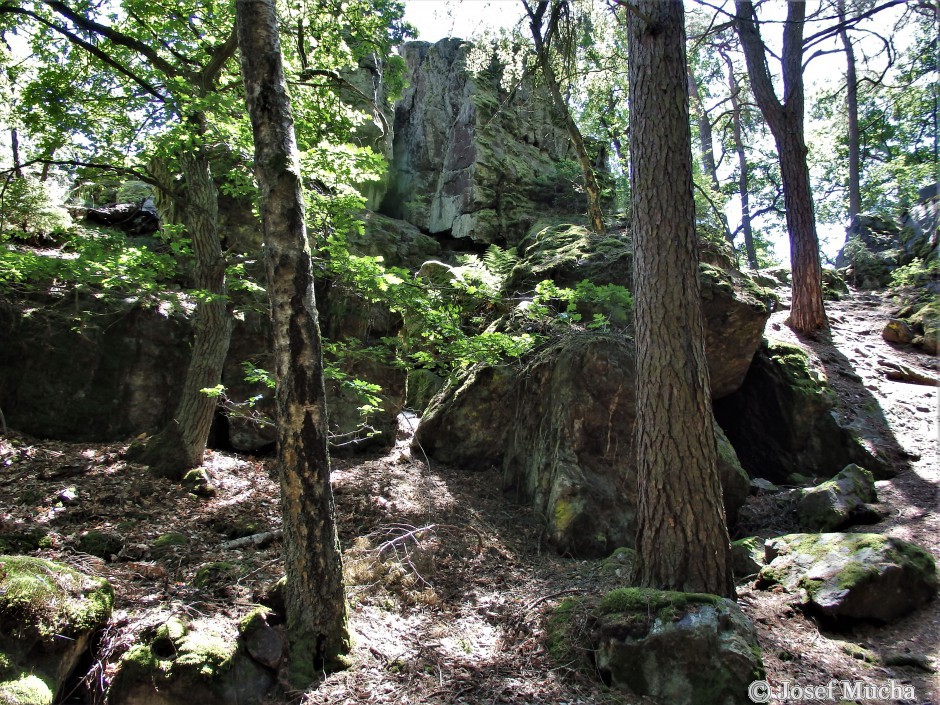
(781, 420)
(840, 502)
(844, 577)
(48, 614)
(681, 648)
(178, 662)
(747, 557)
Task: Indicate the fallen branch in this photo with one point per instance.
(257, 540)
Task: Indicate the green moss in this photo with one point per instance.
(859, 653)
(210, 574)
(255, 619)
(171, 539)
(560, 631)
(811, 586)
(916, 558)
(22, 541)
(100, 543)
(660, 602)
(46, 599)
(26, 689)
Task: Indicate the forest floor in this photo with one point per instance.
(451, 582)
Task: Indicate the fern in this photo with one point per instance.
(500, 262)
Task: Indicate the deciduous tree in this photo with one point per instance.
(316, 607)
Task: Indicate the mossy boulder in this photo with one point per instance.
(735, 308)
(682, 648)
(840, 502)
(846, 577)
(560, 426)
(782, 420)
(747, 557)
(179, 662)
(48, 615)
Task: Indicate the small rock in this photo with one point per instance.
(907, 658)
(759, 485)
(840, 502)
(898, 331)
(68, 496)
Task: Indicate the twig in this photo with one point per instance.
(545, 598)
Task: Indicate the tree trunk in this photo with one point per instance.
(15, 148)
(180, 445)
(591, 188)
(317, 630)
(682, 540)
(851, 104)
(807, 312)
(743, 177)
(706, 141)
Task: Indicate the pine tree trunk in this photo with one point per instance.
(317, 630)
(807, 311)
(181, 444)
(851, 104)
(15, 148)
(682, 540)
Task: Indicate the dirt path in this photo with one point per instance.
(450, 582)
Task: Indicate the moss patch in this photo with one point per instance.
(41, 599)
(26, 689)
(664, 604)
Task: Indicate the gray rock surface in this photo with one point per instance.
(781, 420)
(679, 648)
(844, 577)
(561, 428)
(472, 159)
(840, 502)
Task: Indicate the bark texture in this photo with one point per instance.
(851, 104)
(318, 635)
(542, 37)
(743, 176)
(785, 119)
(681, 538)
(181, 444)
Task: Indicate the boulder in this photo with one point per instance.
(898, 331)
(113, 374)
(561, 428)
(48, 616)
(680, 648)
(747, 557)
(735, 308)
(470, 158)
(845, 577)
(177, 663)
(840, 502)
(781, 420)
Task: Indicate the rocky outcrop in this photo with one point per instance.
(781, 421)
(561, 429)
(472, 158)
(48, 616)
(680, 648)
(845, 577)
(109, 373)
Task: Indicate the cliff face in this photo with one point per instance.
(471, 158)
